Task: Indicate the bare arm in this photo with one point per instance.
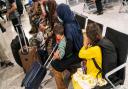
(13, 8)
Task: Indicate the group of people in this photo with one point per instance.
(73, 45)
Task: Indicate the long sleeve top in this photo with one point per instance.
(88, 54)
(61, 47)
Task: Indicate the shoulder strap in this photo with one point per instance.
(97, 66)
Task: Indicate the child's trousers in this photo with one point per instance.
(59, 79)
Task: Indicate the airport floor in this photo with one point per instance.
(11, 77)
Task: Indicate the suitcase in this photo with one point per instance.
(28, 58)
(28, 55)
(37, 72)
(15, 47)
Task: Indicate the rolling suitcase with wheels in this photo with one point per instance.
(28, 58)
(28, 55)
(37, 72)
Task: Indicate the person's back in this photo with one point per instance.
(71, 26)
(109, 56)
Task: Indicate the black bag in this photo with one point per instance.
(37, 72)
(15, 46)
(19, 6)
(109, 57)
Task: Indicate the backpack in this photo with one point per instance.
(19, 6)
(109, 57)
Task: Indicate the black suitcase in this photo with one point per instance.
(15, 47)
(37, 72)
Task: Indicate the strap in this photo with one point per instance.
(54, 49)
(97, 66)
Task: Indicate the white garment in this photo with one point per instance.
(41, 39)
(3, 46)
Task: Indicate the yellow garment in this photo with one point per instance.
(89, 80)
(88, 54)
(75, 84)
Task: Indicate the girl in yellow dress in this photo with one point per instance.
(89, 51)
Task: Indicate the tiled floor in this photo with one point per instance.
(11, 77)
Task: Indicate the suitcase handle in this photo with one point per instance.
(54, 49)
(26, 46)
(50, 56)
(25, 52)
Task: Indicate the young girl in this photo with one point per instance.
(88, 52)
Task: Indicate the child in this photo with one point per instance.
(64, 57)
(60, 38)
(58, 56)
(89, 51)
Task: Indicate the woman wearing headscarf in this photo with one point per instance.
(71, 26)
(74, 40)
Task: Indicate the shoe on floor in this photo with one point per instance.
(95, 12)
(100, 13)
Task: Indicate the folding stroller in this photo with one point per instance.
(124, 5)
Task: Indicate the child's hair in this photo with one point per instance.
(93, 32)
(58, 29)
